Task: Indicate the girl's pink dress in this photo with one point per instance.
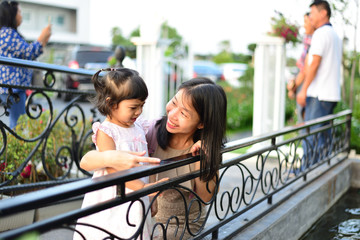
(114, 219)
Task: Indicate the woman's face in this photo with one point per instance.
(309, 28)
(182, 117)
(18, 17)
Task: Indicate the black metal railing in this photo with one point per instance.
(254, 171)
(35, 139)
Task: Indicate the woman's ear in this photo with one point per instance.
(200, 126)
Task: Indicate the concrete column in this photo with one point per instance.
(269, 85)
(149, 62)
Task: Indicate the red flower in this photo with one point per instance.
(2, 166)
(26, 172)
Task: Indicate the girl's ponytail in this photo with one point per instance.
(95, 79)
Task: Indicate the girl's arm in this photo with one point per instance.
(119, 160)
(104, 142)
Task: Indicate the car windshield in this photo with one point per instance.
(84, 57)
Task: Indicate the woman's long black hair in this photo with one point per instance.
(8, 11)
(209, 101)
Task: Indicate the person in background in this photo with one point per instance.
(13, 45)
(294, 85)
(321, 88)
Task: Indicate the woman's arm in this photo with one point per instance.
(45, 35)
(17, 47)
(201, 187)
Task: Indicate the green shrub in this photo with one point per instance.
(17, 151)
(239, 107)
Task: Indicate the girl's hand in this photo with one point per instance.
(121, 160)
(118, 160)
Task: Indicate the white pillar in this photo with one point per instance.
(269, 86)
(149, 64)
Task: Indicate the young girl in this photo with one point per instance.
(120, 96)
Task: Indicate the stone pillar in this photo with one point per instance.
(149, 62)
(269, 85)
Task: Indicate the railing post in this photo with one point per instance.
(348, 126)
(215, 234)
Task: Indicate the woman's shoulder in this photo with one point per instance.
(8, 31)
(145, 124)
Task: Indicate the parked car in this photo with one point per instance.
(232, 72)
(207, 69)
(87, 57)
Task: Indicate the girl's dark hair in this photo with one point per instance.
(8, 11)
(117, 85)
(209, 101)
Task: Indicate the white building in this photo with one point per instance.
(69, 19)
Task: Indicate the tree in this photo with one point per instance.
(119, 39)
(225, 55)
(176, 46)
(341, 8)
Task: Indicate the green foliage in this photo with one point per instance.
(168, 32)
(240, 102)
(239, 107)
(251, 47)
(119, 40)
(135, 32)
(290, 114)
(242, 58)
(248, 78)
(290, 62)
(17, 151)
(223, 57)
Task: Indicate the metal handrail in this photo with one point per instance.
(44, 66)
(265, 183)
(53, 195)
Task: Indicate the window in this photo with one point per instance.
(26, 16)
(60, 20)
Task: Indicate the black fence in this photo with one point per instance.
(254, 171)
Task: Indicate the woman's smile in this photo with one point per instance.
(170, 124)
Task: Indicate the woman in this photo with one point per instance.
(13, 45)
(196, 113)
(294, 85)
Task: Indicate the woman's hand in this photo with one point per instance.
(301, 98)
(154, 183)
(45, 35)
(195, 149)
